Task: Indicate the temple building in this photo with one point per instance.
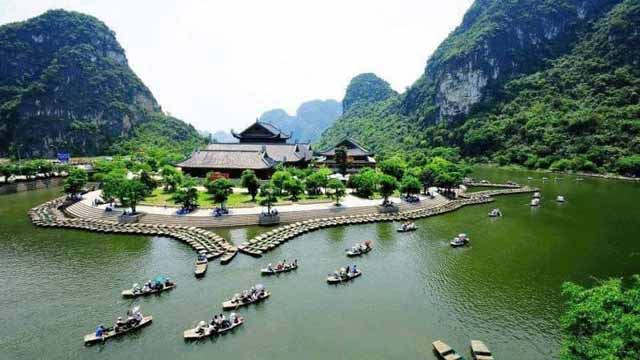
(357, 156)
(261, 147)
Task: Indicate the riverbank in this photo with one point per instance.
(57, 213)
(28, 185)
(609, 176)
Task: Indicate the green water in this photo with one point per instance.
(57, 285)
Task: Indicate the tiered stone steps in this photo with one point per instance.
(92, 219)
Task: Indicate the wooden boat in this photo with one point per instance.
(445, 351)
(193, 334)
(495, 213)
(130, 294)
(287, 268)
(480, 351)
(201, 267)
(231, 305)
(227, 257)
(333, 279)
(407, 228)
(111, 333)
(560, 199)
(460, 240)
(351, 252)
(535, 202)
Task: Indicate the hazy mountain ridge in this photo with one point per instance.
(310, 120)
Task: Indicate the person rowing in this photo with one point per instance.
(100, 330)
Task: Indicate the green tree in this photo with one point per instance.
(427, 177)
(602, 322)
(294, 187)
(130, 192)
(186, 195)
(221, 189)
(28, 169)
(249, 180)
(171, 178)
(337, 190)
(410, 185)
(342, 159)
(278, 179)
(393, 166)
(365, 182)
(629, 165)
(149, 183)
(313, 184)
(6, 170)
(75, 181)
(268, 194)
(388, 184)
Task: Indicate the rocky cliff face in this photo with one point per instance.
(65, 85)
(539, 83)
(496, 42)
(311, 119)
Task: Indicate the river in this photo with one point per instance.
(504, 289)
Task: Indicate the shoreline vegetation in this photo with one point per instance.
(610, 176)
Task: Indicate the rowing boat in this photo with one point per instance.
(407, 228)
(231, 305)
(131, 294)
(480, 351)
(194, 334)
(353, 253)
(201, 268)
(445, 351)
(111, 333)
(286, 268)
(333, 279)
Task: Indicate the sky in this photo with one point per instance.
(220, 64)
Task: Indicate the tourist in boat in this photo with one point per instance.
(120, 324)
(168, 282)
(354, 270)
(100, 330)
(270, 267)
(136, 288)
(202, 327)
(214, 320)
(137, 317)
(233, 318)
(201, 257)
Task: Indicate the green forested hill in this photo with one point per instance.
(65, 84)
(537, 83)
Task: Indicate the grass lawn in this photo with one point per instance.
(236, 200)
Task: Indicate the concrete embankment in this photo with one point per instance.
(20, 186)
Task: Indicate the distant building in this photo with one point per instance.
(357, 156)
(261, 147)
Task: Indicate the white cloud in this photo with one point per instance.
(220, 64)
